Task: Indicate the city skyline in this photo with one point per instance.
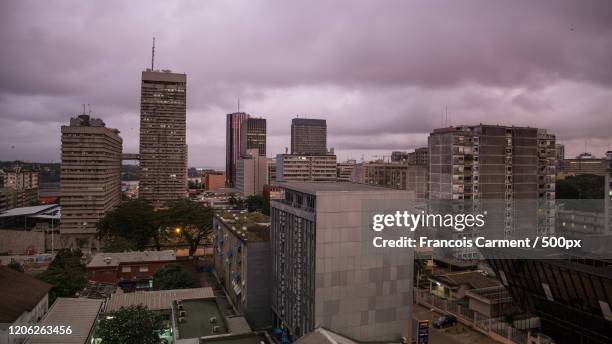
(546, 67)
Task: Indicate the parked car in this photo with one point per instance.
(445, 321)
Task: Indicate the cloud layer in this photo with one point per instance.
(380, 72)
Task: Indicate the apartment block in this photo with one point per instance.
(345, 170)
(321, 274)
(308, 136)
(241, 245)
(253, 135)
(387, 174)
(90, 182)
(233, 145)
(419, 157)
(574, 167)
(163, 147)
(251, 173)
(298, 167)
(18, 187)
(271, 170)
(399, 156)
(417, 177)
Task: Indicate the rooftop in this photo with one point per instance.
(249, 226)
(19, 293)
(29, 211)
(156, 300)
(198, 315)
(322, 336)
(251, 338)
(114, 259)
(475, 279)
(314, 187)
(80, 314)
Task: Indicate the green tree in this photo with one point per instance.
(135, 221)
(173, 276)
(255, 203)
(192, 220)
(583, 186)
(66, 273)
(133, 324)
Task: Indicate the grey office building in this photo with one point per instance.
(325, 273)
(308, 136)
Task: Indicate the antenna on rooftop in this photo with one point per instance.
(153, 55)
(238, 104)
(89, 108)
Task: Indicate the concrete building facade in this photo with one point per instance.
(308, 136)
(387, 174)
(241, 258)
(297, 167)
(420, 157)
(233, 127)
(18, 187)
(321, 274)
(251, 173)
(90, 181)
(345, 170)
(163, 146)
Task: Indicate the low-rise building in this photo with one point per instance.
(300, 168)
(345, 170)
(23, 301)
(574, 167)
(242, 263)
(387, 174)
(129, 270)
(213, 180)
(79, 314)
(18, 187)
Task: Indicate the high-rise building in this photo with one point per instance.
(322, 276)
(298, 167)
(18, 187)
(251, 173)
(233, 127)
(90, 181)
(253, 135)
(271, 170)
(559, 153)
(308, 136)
(399, 156)
(163, 147)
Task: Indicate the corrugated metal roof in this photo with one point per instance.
(27, 211)
(156, 300)
(130, 257)
(19, 293)
(79, 314)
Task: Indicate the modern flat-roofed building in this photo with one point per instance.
(253, 135)
(575, 167)
(242, 263)
(298, 167)
(308, 136)
(324, 272)
(213, 180)
(90, 182)
(163, 146)
(233, 145)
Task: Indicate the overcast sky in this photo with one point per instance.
(380, 72)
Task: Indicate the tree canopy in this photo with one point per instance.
(192, 220)
(66, 273)
(133, 324)
(584, 186)
(173, 276)
(132, 225)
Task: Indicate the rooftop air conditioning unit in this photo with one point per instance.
(181, 320)
(216, 329)
(212, 320)
(182, 314)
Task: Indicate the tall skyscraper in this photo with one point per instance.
(253, 135)
(308, 136)
(232, 145)
(90, 182)
(163, 147)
